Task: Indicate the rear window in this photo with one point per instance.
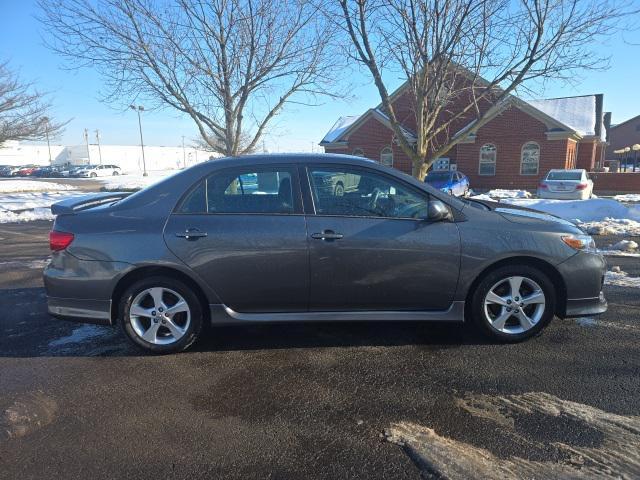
(437, 176)
(564, 176)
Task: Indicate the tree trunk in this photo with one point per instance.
(419, 169)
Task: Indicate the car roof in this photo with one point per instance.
(573, 170)
(270, 158)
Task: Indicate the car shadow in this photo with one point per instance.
(29, 331)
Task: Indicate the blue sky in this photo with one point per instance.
(76, 93)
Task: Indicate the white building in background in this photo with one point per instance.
(127, 157)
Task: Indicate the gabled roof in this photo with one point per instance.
(579, 113)
(345, 125)
(580, 116)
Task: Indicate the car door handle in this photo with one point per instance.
(191, 234)
(327, 235)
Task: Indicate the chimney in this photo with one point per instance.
(607, 124)
(598, 126)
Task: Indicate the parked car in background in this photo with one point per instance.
(452, 182)
(71, 171)
(92, 171)
(198, 247)
(26, 171)
(566, 185)
(9, 171)
(47, 172)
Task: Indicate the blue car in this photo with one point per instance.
(451, 182)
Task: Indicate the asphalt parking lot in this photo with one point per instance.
(313, 401)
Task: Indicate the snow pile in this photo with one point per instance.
(624, 245)
(612, 226)
(27, 207)
(629, 197)
(131, 183)
(14, 186)
(621, 279)
(483, 196)
(592, 210)
(500, 193)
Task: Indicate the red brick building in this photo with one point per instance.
(622, 135)
(519, 144)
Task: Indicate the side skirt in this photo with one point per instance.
(223, 315)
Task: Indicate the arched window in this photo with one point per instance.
(358, 152)
(530, 159)
(386, 157)
(487, 160)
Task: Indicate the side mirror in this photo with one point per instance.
(438, 211)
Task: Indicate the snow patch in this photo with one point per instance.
(500, 193)
(131, 183)
(621, 279)
(79, 335)
(624, 245)
(592, 210)
(628, 197)
(15, 186)
(614, 456)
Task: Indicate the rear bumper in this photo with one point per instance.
(80, 310)
(575, 195)
(581, 307)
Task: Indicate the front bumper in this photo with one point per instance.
(583, 276)
(582, 307)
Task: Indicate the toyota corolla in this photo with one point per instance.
(261, 239)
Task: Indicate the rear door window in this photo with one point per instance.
(257, 190)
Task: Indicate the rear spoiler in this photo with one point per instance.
(76, 204)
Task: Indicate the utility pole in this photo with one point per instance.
(139, 109)
(98, 140)
(86, 139)
(184, 155)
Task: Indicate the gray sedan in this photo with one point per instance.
(261, 239)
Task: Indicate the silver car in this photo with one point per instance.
(262, 239)
(566, 185)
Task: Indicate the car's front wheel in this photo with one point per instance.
(115, 173)
(93, 175)
(161, 315)
(513, 303)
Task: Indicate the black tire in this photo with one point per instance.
(115, 173)
(195, 307)
(93, 175)
(476, 303)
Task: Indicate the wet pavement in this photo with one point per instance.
(378, 400)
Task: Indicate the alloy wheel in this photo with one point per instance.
(514, 305)
(160, 315)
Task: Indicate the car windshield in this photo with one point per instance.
(438, 177)
(564, 175)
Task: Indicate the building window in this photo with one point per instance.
(386, 157)
(358, 152)
(487, 160)
(530, 159)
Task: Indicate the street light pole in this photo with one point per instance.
(98, 140)
(184, 154)
(139, 109)
(46, 132)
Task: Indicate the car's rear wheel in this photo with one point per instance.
(115, 173)
(93, 175)
(161, 314)
(513, 303)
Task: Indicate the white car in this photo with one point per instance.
(566, 185)
(92, 171)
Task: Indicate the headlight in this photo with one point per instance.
(580, 242)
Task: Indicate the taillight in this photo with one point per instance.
(59, 240)
(542, 186)
(581, 186)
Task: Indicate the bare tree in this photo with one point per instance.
(231, 65)
(24, 112)
(461, 59)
